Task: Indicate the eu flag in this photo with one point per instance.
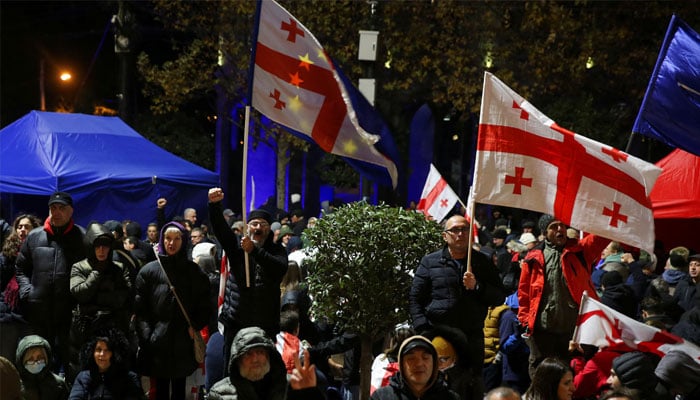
(670, 111)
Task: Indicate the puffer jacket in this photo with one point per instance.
(438, 295)
(492, 336)
(576, 260)
(399, 390)
(43, 270)
(117, 382)
(165, 346)
(259, 304)
(272, 387)
(103, 292)
(42, 386)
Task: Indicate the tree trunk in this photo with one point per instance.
(282, 161)
(365, 367)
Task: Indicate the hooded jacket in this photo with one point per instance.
(165, 347)
(398, 388)
(42, 386)
(102, 290)
(272, 387)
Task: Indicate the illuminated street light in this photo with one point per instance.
(64, 76)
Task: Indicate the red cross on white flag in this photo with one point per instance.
(438, 198)
(525, 160)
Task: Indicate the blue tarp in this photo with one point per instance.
(111, 171)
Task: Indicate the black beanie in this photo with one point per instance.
(611, 278)
(260, 214)
(635, 371)
(544, 222)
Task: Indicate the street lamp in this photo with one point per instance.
(64, 76)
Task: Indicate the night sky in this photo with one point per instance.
(66, 35)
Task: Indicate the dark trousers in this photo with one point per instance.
(170, 389)
(544, 344)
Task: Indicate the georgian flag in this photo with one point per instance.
(438, 198)
(525, 160)
(601, 326)
(296, 85)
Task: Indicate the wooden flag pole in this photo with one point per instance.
(244, 182)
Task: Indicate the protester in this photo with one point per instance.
(445, 291)
(165, 339)
(553, 380)
(502, 393)
(11, 382)
(385, 365)
(553, 279)
(418, 376)
(454, 357)
(679, 375)
(252, 296)
(12, 322)
(102, 289)
(635, 371)
(105, 370)
(33, 360)
(43, 275)
(256, 371)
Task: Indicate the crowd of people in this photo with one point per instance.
(102, 312)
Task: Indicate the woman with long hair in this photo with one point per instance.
(105, 370)
(553, 380)
(12, 324)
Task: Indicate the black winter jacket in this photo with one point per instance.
(165, 347)
(43, 271)
(438, 296)
(259, 304)
(103, 292)
(89, 386)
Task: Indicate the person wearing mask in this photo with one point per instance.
(33, 364)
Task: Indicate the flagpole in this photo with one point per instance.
(244, 183)
(471, 238)
(584, 297)
(244, 180)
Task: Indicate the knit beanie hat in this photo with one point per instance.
(260, 214)
(635, 370)
(544, 222)
(679, 371)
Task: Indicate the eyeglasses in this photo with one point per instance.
(456, 231)
(258, 223)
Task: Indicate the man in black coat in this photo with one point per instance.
(252, 298)
(446, 291)
(43, 274)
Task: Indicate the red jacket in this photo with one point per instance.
(576, 261)
(591, 377)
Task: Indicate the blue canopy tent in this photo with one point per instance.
(111, 171)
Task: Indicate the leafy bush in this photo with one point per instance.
(362, 270)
